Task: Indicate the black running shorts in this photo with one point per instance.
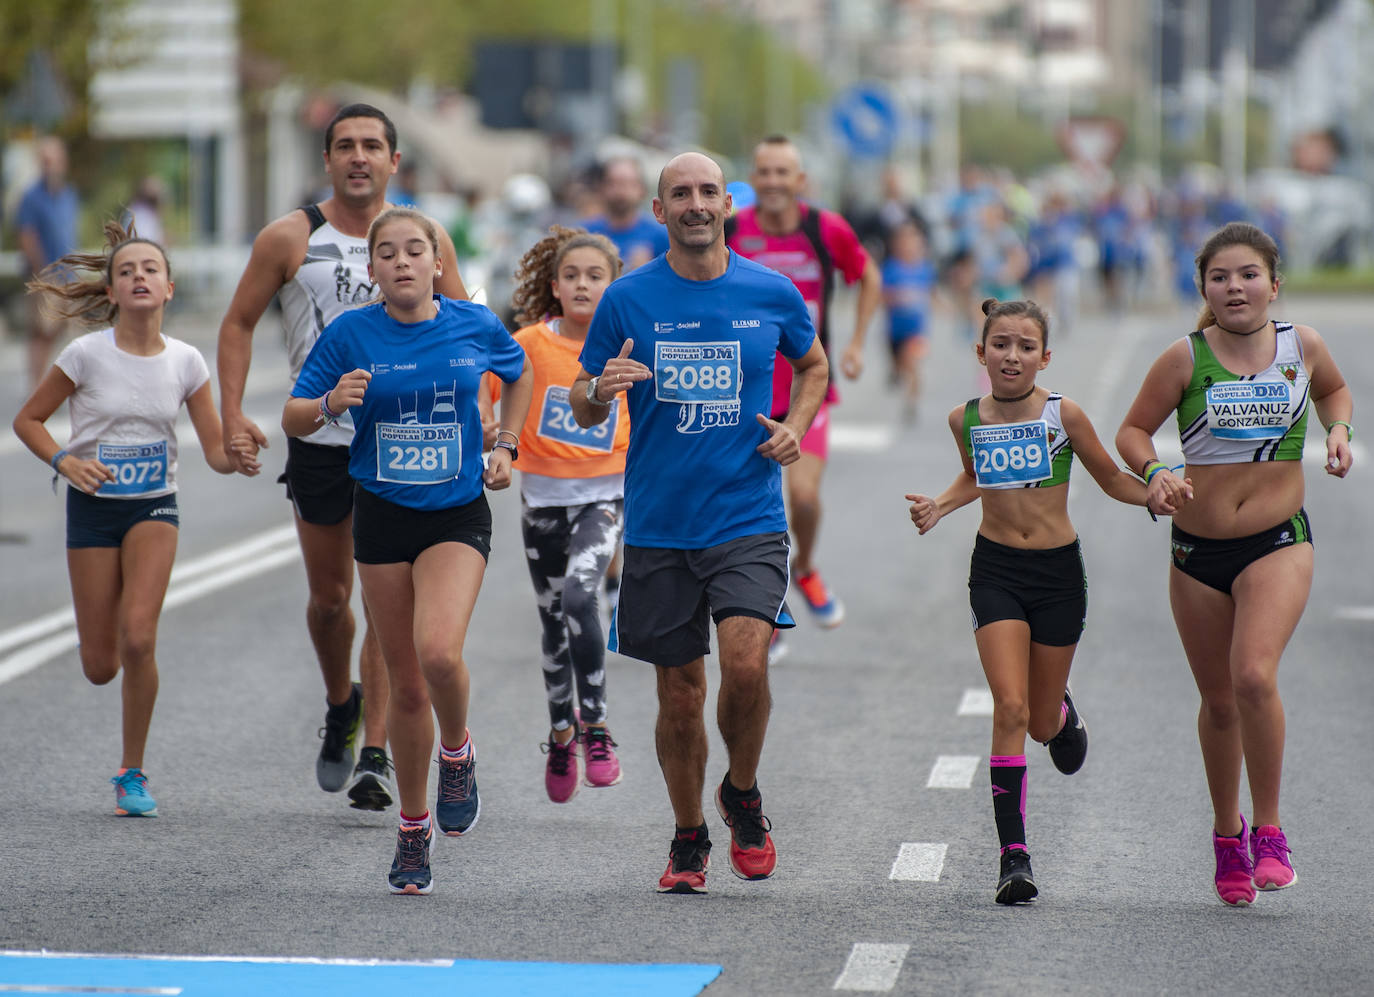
(1217, 563)
(317, 482)
(387, 533)
(1048, 589)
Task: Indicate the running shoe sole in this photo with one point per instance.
(680, 884)
(1017, 890)
(455, 832)
(369, 793)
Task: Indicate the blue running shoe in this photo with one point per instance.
(132, 798)
(410, 868)
(458, 805)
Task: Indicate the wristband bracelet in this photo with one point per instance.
(1349, 430)
(327, 415)
(506, 432)
(1153, 468)
(57, 458)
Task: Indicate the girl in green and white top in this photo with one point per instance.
(1242, 549)
(1027, 588)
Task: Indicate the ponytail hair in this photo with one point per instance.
(534, 275)
(995, 309)
(67, 286)
(1233, 234)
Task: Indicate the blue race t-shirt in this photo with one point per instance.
(640, 242)
(417, 437)
(693, 477)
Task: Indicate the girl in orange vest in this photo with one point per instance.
(572, 491)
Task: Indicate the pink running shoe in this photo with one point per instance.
(560, 771)
(1273, 870)
(1235, 874)
(598, 753)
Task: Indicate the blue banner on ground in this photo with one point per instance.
(53, 973)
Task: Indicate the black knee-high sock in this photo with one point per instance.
(1009, 798)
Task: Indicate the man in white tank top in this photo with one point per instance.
(315, 258)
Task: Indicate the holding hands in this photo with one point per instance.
(1165, 493)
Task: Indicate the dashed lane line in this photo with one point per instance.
(975, 703)
(953, 772)
(919, 862)
(872, 967)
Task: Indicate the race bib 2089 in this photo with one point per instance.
(1017, 453)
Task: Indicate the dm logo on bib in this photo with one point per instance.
(707, 415)
(1248, 410)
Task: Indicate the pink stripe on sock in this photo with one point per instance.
(1007, 761)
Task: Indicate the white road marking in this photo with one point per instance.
(919, 862)
(953, 772)
(54, 634)
(1356, 614)
(860, 437)
(63, 988)
(872, 966)
(975, 703)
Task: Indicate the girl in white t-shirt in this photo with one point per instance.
(125, 384)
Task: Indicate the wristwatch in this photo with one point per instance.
(591, 392)
(507, 445)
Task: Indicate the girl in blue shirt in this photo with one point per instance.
(409, 367)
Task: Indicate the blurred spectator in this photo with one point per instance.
(1000, 254)
(144, 212)
(625, 221)
(46, 222)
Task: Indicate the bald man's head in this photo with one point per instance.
(694, 162)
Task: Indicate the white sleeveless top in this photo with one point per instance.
(332, 279)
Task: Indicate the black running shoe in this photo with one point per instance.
(1069, 747)
(334, 766)
(371, 787)
(1016, 885)
(689, 856)
(410, 868)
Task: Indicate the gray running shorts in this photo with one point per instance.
(669, 596)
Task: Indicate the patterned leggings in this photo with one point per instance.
(568, 549)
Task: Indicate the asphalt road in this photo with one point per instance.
(249, 858)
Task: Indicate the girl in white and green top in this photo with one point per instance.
(1027, 588)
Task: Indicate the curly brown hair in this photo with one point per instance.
(68, 288)
(533, 298)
